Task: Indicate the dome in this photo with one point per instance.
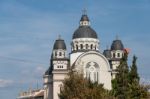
(84, 32)
(107, 53)
(117, 45)
(59, 44)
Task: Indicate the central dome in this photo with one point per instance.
(84, 32)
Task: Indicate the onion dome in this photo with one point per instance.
(117, 45)
(107, 53)
(59, 44)
(84, 30)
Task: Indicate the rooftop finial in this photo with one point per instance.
(84, 11)
(117, 37)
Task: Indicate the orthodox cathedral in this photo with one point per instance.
(85, 57)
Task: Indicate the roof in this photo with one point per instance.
(117, 45)
(59, 44)
(84, 32)
(107, 53)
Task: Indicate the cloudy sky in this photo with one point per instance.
(28, 29)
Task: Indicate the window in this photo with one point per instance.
(86, 46)
(97, 76)
(91, 46)
(81, 46)
(92, 71)
(60, 54)
(95, 47)
(77, 47)
(118, 54)
(55, 53)
(114, 55)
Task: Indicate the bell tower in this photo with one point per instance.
(58, 70)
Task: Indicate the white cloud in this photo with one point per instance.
(5, 83)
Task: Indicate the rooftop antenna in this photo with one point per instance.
(85, 8)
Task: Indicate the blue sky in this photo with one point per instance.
(28, 29)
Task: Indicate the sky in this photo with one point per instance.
(28, 29)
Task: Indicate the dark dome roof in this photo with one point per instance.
(117, 45)
(59, 44)
(107, 53)
(84, 32)
(84, 18)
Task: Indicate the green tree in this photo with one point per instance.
(120, 85)
(78, 87)
(137, 90)
(134, 92)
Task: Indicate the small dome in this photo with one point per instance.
(59, 44)
(107, 53)
(84, 32)
(84, 18)
(117, 45)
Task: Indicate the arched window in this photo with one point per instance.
(81, 46)
(92, 71)
(86, 46)
(118, 55)
(91, 46)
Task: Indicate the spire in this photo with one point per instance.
(84, 21)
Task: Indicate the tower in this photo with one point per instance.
(57, 71)
(114, 55)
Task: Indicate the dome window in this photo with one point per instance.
(86, 46)
(91, 46)
(81, 46)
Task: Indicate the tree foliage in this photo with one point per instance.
(78, 87)
(127, 85)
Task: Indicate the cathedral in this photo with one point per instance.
(85, 57)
